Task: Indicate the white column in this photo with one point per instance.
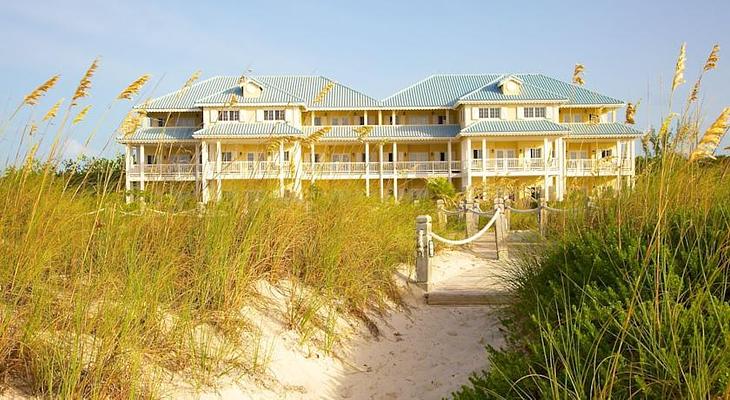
(295, 157)
(448, 159)
(560, 155)
(365, 118)
(218, 171)
(380, 159)
(545, 151)
(484, 160)
(380, 117)
(312, 121)
(466, 163)
(395, 170)
(447, 117)
(367, 163)
(281, 169)
(127, 169)
(142, 162)
(196, 164)
(311, 161)
(205, 191)
(392, 118)
(619, 159)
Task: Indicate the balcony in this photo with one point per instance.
(358, 170)
(589, 167)
(512, 166)
(165, 172)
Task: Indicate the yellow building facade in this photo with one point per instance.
(521, 134)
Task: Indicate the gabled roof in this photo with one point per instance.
(185, 99)
(241, 129)
(382, 132)
(603, 129)
(269, 95)
(170, 134)
(492, 92)
(520, 127)
(314, 92)
(309, 87)
(437, 91)
(446, 90)
(577, 95)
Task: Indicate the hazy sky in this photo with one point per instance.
(629, 48)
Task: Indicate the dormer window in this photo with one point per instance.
(510, 85)
(490, 112)
(225, 115)
(533, 112)
(274, 115)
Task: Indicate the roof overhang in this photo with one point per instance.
(617, 105)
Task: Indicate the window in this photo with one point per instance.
(180, 159)
(226, 156)
(594, 118)
(286, 156)
(224, 115)
(417, 156)
(316, 157)
(340, 157)
(441, 119)
(533, 112)
(362, 120)
(160, 122)
(566, 118)
(417, 119)
(318, 121)
(578, 155)
(250, 157)
(535, 152)
(151, 159)
(477, 154)
(491, 112)
(397, 120)
(625, 150)
(390, 157)
(345, 120)
(442, 156)
(334, 121)
(274, 115)
(605, 153)
(577, 118)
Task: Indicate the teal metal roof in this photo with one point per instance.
(171, 134)
(308, 88)
(493, 93)
(389, 131)
(577, 95)
(602, 129)
(438, 90)
(185, 99)
(269, 95)
(447, 90)
(240, 129)
(283, 89)
(524, 126)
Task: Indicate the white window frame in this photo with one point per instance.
(317, 121)
(229, 115)
(274, 115)
(477, 154)
(534, 112)
(227, 156)
(535, 153)
(490, 112)
(606, 153)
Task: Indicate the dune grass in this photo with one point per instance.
(99, 299)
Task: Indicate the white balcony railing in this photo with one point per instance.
(597, 167)
(269, 169)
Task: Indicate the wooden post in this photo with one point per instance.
(423, 251)
(367, 163)
(440, 213)
(469, 221)
(142, 162)
(542, 215)
(507, 214)
(499, 231)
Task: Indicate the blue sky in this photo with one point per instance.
(628, 47)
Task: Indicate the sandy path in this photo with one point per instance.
(424, 352)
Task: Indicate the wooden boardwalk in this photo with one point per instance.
(472, 275)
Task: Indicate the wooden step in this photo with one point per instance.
(467, 297)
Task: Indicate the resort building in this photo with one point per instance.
(528, 134)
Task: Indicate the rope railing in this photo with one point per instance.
(523, 211)
(469, 239)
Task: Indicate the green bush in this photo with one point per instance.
(631, 300)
